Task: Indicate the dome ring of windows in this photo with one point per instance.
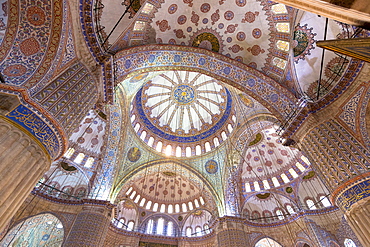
(183, 117)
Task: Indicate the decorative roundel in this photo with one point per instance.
(15, 70)
(256, 33)
(211, 166)
(172, 9)
(303, 42)
(183, 94)
(205, 7)
(229, 15)
(133, 154)
(241, 3)
(36, 15)
(240, 36)
(183, 109)
(181, 20)
(208, 39)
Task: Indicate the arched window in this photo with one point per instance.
(188, 151)
(198, 150)
(69, 153)
(279, 214)
(207, 146)
(130, 226)
(170, 228)
(133, 195)
(168, 151)
(79, 158)
(170, 209)
(177, 208)
(266, 184)
(137, 127)
(247, 187)
(148, 205)
(89, 162)
(163, 208)
(267, 242)
(223, 135)
(178, 152)
(184, 208)
(143, 135)
(133, 118)
(121, 223)
(300, 167)
(310, 204)
(160, 226)
(189, 231)
(129, 191)
(198, 231)
(201, 200)
(206, 228)
(293, 173)
(149, 227)
(305, 160)
(279, 9)
(137, 199)
(190, 206)
(349, 243)
(285, 178)
(290, 209)
(275, 181)
(196, 203)
(155, 207)
(142, 202)
(256, 186)
(150, 141)
(325, 201)
(230, 128)
(216, 142)
(159, 147)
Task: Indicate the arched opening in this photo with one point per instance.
(39, 230)
(267, 242)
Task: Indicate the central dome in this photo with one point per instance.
(183, 108)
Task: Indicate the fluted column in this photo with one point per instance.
(23, 161)
(91, 225)
(344, 164)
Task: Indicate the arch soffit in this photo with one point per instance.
(268, 92)
(263, 237)
(120, 184)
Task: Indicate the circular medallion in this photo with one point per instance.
(229, 15)
(15, 70)
(205, 7)
(211, 166)
(183, 94)
(256, 33)
(134, 154)
(36, 15)
(241, 36)
(181, 19)
(172, 9)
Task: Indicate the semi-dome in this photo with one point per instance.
(267, 163)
